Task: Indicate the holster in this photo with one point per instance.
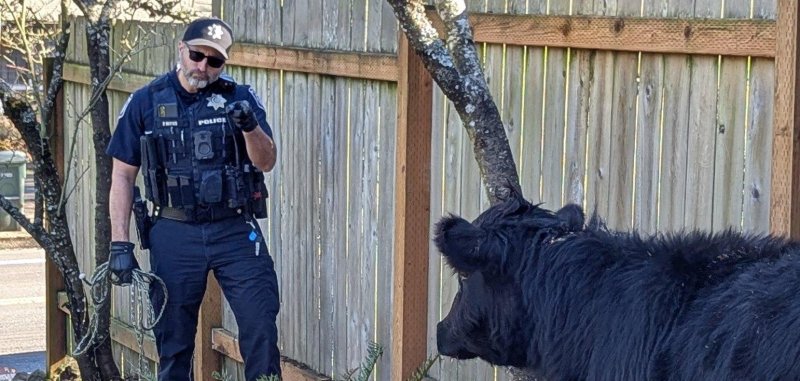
(142, 217)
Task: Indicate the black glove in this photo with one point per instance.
(242, 116)
(122, 262)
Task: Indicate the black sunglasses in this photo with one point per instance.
(214, 62)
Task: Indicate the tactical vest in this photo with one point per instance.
(195, 164)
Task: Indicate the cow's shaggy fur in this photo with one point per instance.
(542, 291)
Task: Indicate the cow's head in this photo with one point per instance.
(488, 314)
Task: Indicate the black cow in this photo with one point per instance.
(567, 301)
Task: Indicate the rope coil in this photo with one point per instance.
(99, 286)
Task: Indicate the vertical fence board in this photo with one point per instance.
(553, 127)
(329, 229)
(314, 235)
(358, 25)
(700, 152)
(650, 131)
(758, 146)
(237, 18)
(370, 211)
(600, 87)
(702, 131)
(758, 162)
(299, 9)
(674, 160)
(729, 152)
(289, 271)
(575, 132)
(356, 334)
(304, 224)
(554, 123)
(602, 127)
(577, 144)
(342, 342)
(731, 129)
(648, 143)
(386, 210)
(390, 31)
(530, 157)
(623, 133)
(341, 24)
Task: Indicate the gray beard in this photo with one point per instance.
(197, 83)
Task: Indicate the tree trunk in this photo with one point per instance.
(455, 67)
(97, 41)
(56, 242)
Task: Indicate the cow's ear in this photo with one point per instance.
(458, 240)
(571, 217)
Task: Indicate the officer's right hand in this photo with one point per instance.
(122, 262)
(242, 116)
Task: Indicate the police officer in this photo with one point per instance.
(202, 143)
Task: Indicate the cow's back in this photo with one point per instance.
(747, 327)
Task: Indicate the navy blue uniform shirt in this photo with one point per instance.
(139, 112)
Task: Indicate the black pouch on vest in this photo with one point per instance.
(181, 191)
(211, 187)
(187, 191)
(174, 191)
(259, 201)
(234, 189)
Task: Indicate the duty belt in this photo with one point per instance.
(199, 214)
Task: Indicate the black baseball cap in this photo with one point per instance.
(211, 32)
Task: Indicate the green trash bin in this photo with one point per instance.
(12, 185)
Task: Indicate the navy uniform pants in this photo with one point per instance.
(182, 254)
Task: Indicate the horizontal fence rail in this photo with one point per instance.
(728, 37)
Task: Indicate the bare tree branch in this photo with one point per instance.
(56, 79)
(97, 92)
(459, 40)
(30, 227)
(20, 21)
(458, 73)
(83, 7)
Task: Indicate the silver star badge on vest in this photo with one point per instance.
(216, 101)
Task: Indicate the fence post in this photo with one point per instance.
(206, 359)
(785, 196)
(412, 213)
(216, 8)
(56, 324)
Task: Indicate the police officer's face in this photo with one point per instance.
(199, 73)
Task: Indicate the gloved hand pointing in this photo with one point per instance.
(242, 116)
(122, 262)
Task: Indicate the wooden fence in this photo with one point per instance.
(657, 115)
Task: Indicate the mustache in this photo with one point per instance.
(198, 78)
(196, 73)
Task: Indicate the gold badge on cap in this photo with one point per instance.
(215, 31)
